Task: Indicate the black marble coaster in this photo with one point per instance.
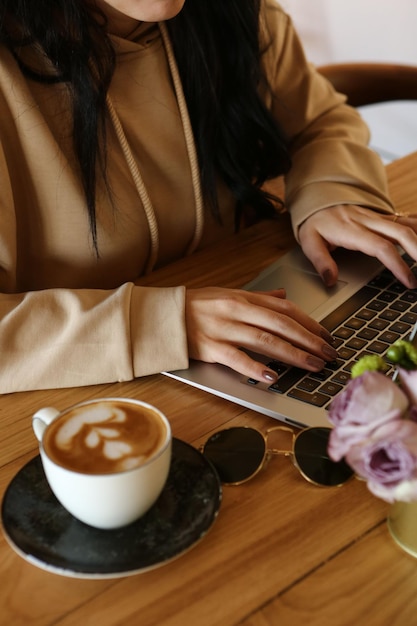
(44, 533)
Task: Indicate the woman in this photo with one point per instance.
(134, 132)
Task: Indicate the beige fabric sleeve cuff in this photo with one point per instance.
(158, 332)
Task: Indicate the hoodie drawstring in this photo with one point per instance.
(192, 156)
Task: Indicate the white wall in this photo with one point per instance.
(346, 30)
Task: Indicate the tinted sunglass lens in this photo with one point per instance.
(236, 453)
(310, 453)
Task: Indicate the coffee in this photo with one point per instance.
(105, 437)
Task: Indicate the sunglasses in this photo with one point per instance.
(239, 453)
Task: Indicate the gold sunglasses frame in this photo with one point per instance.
(270, 452)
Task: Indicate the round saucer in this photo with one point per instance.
(40, 530)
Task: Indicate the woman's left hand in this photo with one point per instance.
(358, 228)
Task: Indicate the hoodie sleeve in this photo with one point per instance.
(331, 161)
(68, 337)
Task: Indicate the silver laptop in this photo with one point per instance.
(366, 311)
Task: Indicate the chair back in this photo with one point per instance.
(370, 83)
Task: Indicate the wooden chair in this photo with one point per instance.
(370, 83)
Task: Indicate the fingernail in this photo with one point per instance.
(327, 278)
(315, 362)
(329, 352)
(326, 336)
(270, 376)
(412, 281)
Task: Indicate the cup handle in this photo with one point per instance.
(41, 419)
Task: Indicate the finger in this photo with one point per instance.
(316, 249)
(288, 343)
(382, 239)
(376, 235)
(261, 323)
(281, 317)
(276, 293)
(276, 334)
(241, 362)
(401, 229)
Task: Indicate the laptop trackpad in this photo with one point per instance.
(304, 288)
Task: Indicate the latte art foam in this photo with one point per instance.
(104, 437)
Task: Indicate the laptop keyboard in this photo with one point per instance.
(367, 323)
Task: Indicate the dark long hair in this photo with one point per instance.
(218, 54)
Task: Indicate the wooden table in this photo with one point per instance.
(281, 550)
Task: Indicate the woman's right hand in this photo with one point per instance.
(220, 322)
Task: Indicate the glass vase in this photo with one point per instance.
(402, 524)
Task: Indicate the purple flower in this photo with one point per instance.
(368, 402)
(387, 460)
(408, 379)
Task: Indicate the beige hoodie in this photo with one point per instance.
(68, 318)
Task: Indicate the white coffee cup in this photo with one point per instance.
(106, 460)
